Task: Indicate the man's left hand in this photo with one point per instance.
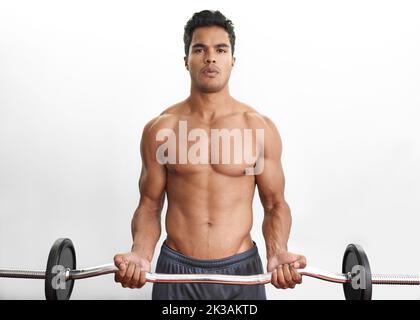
(284, 269)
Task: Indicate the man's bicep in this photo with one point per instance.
(152, 186)
(271, 181)
(152, 180)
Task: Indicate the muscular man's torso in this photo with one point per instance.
(209, 213)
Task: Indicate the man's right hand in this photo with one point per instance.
(132, 269)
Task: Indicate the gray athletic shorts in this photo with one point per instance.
(173, 262)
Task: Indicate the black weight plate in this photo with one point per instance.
(62, 253)
(353, 256)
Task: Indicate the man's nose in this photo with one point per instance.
(210, 60)
(210, 57)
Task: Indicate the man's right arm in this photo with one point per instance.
(146, 222)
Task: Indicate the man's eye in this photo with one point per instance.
(198, 50)
(221, 50)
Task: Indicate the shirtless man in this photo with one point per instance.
(209, 215)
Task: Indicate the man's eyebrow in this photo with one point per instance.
(222, 45)
(202, 45)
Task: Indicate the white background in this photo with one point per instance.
(79, 80)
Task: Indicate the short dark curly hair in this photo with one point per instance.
(208, 18)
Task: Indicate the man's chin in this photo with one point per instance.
(210, 88)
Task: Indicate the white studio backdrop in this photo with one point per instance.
(79, 80)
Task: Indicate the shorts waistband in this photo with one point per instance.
(208, 263)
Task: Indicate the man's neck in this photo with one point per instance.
(210, 105)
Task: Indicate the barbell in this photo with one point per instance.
(61, 272)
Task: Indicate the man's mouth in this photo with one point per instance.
(210, 72)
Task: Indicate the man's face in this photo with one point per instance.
(210, 59)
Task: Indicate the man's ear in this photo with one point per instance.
(186, 62)
(233, 61)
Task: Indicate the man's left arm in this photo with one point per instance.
(277, 217)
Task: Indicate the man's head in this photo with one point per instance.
(209, 40)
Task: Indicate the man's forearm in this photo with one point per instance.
(146, 230)
(276, 228)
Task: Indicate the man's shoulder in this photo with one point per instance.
(254, 118)
(168, 118)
